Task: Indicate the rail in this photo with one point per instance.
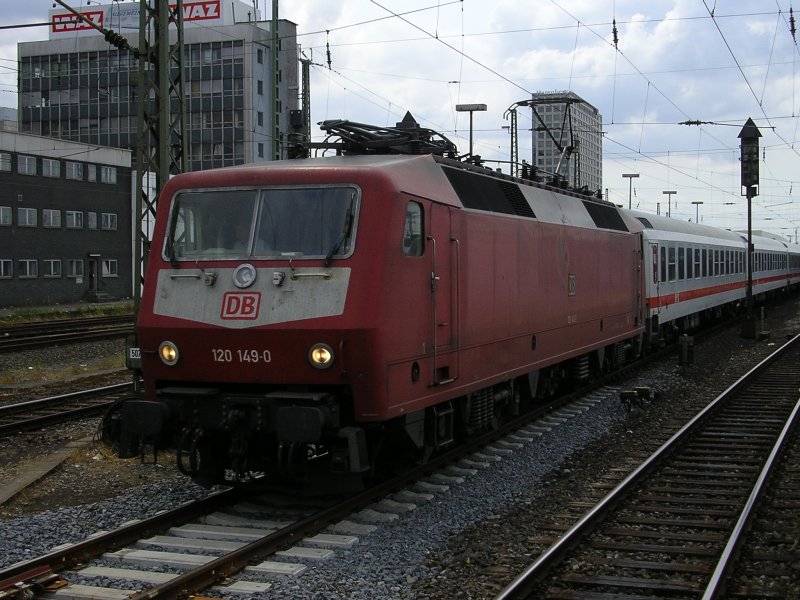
(544, 568)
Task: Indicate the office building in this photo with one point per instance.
(76, 86)
(572, 122)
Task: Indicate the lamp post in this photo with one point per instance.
(470, 108)
(669, 194)
(749, 165)
(630, 177)
(697, 204)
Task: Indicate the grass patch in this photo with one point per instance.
(30, 314)
(38, 372)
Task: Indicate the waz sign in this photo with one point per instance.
(124, 17)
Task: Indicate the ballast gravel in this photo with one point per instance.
(27, 537)
(471, 540)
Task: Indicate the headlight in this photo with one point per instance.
(320, 356)
(168, 353)
(244, 275)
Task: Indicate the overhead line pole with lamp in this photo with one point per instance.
(630, 177)
(470, 108)
(669, 194)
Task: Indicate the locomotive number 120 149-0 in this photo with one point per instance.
(226, 355)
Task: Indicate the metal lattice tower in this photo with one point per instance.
(276, 108)
(512, 112)
(306, 102)
(160, 140)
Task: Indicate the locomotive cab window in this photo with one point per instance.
(293, 222)
(412, 230)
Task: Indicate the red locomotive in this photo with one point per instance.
(320, 314)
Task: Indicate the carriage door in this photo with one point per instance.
(442, 249)
(653, 281)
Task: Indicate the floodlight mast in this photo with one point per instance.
(470, 108)
(630, 177)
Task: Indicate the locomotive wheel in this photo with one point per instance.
(297, 461)
(292, 461)
(208, 462)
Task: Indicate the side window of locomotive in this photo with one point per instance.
(412, 230)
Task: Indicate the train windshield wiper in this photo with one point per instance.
(171, 251)
(348, 226)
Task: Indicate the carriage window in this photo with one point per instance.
(663, 263)
(412, 230)
(705, 262)
(681, 263)
(312, 222)
(697, 262)
(672, 263)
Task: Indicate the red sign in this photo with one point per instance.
(240, 305)
(198, 11)
(69, 22)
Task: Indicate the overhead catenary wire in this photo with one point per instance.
(390, 106)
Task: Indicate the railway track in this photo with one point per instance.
(214, 540)
(23, 416)
(26, 336)
(674, 526)
(190, 534)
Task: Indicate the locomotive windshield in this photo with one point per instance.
(295, 222)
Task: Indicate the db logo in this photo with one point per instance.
(240, 305)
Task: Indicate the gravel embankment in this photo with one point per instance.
(467, 542)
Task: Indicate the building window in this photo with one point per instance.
(74, 219)
(75, 171)
(26, 165)
(51, 217)
(108, 174)
(260, 87)
(260, 118)
(5, 215)
(260, 56)
(91, 220)
(52, 267)
(6, 268)
(28, 268)
(91, 172)
(5, 162)
(75, 267)
(51, 168)
(109, 267)
(26, 217)
(109, 221)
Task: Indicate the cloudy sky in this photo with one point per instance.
(714, 61)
